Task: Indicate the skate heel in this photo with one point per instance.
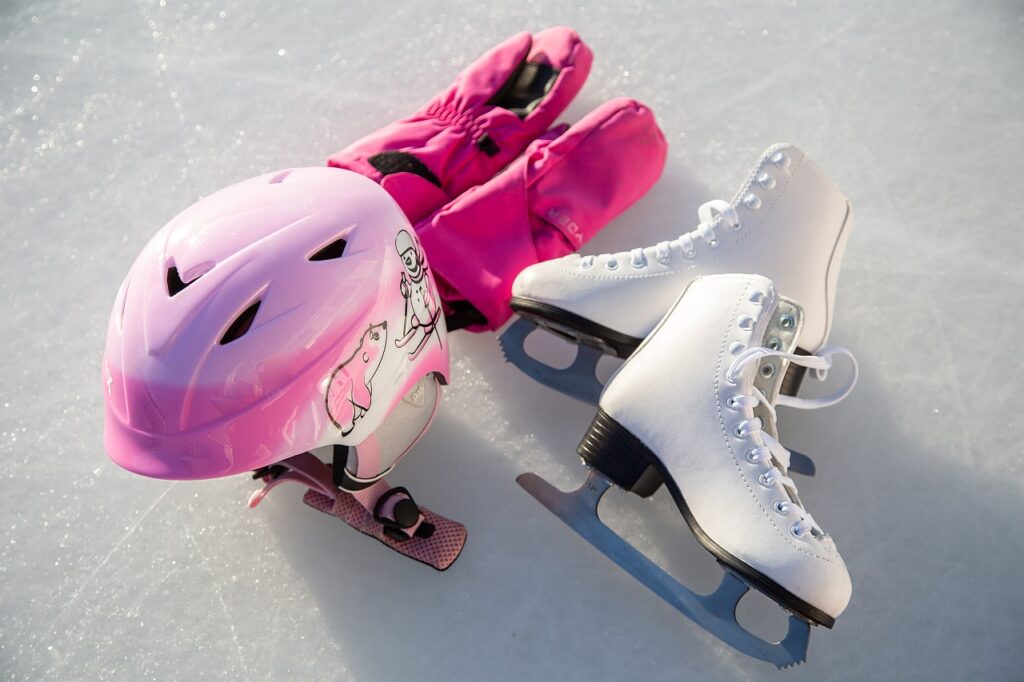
(611, 449)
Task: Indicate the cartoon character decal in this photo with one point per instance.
(421, 309)
(350, 390)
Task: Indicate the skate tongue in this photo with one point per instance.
(781, 333)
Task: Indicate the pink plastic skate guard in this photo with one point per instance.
(547, 204)
(445, 134)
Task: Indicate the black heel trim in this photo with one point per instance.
(623, 458)
(611, 449)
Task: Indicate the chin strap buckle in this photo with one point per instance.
(404, 514)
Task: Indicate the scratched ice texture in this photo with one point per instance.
(116, 114)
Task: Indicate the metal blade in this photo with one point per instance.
(715, 612)
(578, 380)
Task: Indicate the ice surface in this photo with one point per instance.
(115, 114)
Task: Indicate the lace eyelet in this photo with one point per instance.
(739, 432)
(737, 226)
(745, 322)
(736, 348)
(732, 402)
(766, 181)
(780, 160)
(781, 507)
(663, 261)
(586, 264)
(768, 370)
(639, 264)
(766, 479)
(786, 321)
(754, 456)
(756, 296)
(713, 243)
(690, 254)
(752, 201)
(612, 264)
(798, 531)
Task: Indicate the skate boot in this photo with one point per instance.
(721, 462)
(788, 222)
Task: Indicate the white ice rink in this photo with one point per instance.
(116, 114)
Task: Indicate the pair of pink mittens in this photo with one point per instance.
(492, 187)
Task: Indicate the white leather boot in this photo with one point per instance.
(788, 222)
(682, 409)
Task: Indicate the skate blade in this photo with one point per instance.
(578, 380)
(440, 550)
(715, 612)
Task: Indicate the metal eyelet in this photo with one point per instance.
(781, 507)
(739, 432)
(774, 343)
(756, 296)
(786, 321)
(754, 456)
(767, 371)
(798, 531)
(766, 181)
(612, 264)
(752, 201)
(737, 227)
(766, 479)
(736, 348)
(713, 243)
(732, 403)
(780, 160)
(745, 322)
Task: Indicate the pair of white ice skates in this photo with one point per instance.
(693, 406)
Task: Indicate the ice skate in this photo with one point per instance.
(788, 222)
(688, 409)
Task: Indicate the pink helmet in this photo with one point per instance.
(288, 312)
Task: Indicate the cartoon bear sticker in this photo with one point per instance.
(421, 309)
(350, 390)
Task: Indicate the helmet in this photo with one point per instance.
(289, 312)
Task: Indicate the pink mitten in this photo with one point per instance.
(495, 108)
(564, 188)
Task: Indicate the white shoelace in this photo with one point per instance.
(773, 452)
(708, 215)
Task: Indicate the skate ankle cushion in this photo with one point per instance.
(548, 203)
(496, 107)
(439, 550)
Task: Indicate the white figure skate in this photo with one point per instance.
(691, 408)
(788, 222)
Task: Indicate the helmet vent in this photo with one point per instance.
(333, 250)
(241, 325)
(174, 283)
